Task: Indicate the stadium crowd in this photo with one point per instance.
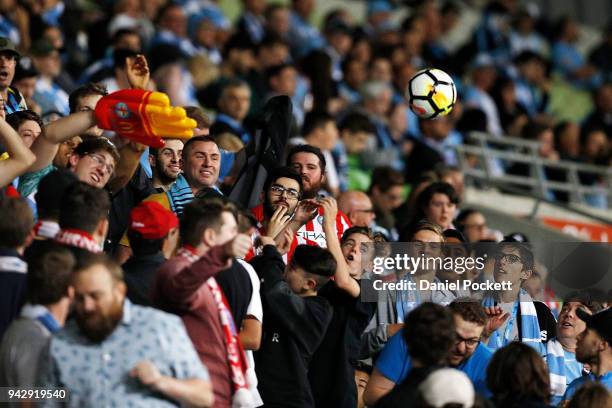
(130, 277)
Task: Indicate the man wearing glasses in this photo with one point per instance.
(282, 193)
(467, 354)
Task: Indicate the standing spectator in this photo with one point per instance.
(13, 99)
(153, 235)
(296, 321)
(130, 367)
(85, 99)
(303, 36)
(517, 377)
(234, 104)
(467, 354)
(183, 286)
(49, 296)
(166, 164)
(27, 124)
(310, 163)
(48, 95)
(429, 334)
(15, 236)
(386, 192)
(594, 348)
(560, 352)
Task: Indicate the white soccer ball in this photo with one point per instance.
(431, 92)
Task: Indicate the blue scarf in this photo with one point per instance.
(42, 314)
(555, 360)
(406, 300)
(179, 195)
(530, 328)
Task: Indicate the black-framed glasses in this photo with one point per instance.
(469, 343)
(508, 258)
(278, 190)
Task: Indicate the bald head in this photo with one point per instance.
(358, 208)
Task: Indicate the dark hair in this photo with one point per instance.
(81, 92)
(238, 41)
(143, 246)
(121, 32)
(532, 130)
(591, 394)
(524, 250)
(196, 113)
(318, 262)
(83, 207)
(410, 231)
(272, 40)
(315, 120)
(87, 259)
(464, 215)
(470, 310)
(305, 148)
(356, 122)
(275, 70)
(97, 144)
(429, 332)
(164, 9)
(193, 140)
(424, 198)
(51, 189)
(517, 372)
(590, 300)
(50, 267)
(199, 215)
(17, 222)
(279, 172)
(357, 230)
(385, 178)
(453, 233)
(17, 118)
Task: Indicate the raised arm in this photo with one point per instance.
(342, 277)
(20, 157)
(46, 145)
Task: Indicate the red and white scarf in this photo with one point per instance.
(235, 354)
(46, 229)
(79, 239)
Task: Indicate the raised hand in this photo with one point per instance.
(497, 318)
(138, 73)
(238, 247)
(306, 210)
(284, 241)
(279, 220)
(144, 117)
(330, 209)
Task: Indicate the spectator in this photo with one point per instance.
(512, 114)
(49, 197)
(483, 75)
(282, 80)
(356, 134)
(278, 20)
(517, 377)
(358, 208)
(233, 105)
(354, 74)
(591, 395)
(153, 236)
(85, 99)
(26, 76)
(83, 218)
(430, 150)
(172, 29)
(376, 100)
(17, 158)
(429, 335)
(296, 321)
(593, 348)
(303, 37)
(27, 124)
(271, 51)
(560, 352)
(532, 84)
(567, 140)
(252, 20)
(524, 36)
(601, 116)
(183, 286)
(165, 163)
(437, 204)
(386, 191)
(453, 176)
(458, 389)
(13, 99)
(467, 354)
(310, 163)
(206, 34)
(107, 327)
(602, 55)
(49, 297)
(14, 238)
(48, 95)
(473, 224)
(118, 78)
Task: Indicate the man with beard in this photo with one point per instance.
(282, 191)
(467, 354)
(165, 163)
(594, 347)
(308, 220)
(559, 352)
(124, 354)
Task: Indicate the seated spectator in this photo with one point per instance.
(567, 140)
(107, 327)
(512, 114)
(473, 225)
(354, 75)
(517, 377)
(252, 21)
(13, 99)
(356, 134)
(593, 348)
(532, 83)
(477, 96)
(467, 354)
(153, 236)
(386, 192)
(14, 238)
(358, 208)
(429, 334)
(303, 36)
(172, 29)
(524, 36)
(568, 61)
(272, 50)
(296, 321)
(48, 95)
(601, 56)
(601, 116)
(283, 80)
(233, 105)
(26, 76)
(430, 150)
(49, 298)
(437, 204)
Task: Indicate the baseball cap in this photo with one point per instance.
(151, 220)
(448, 386)
(600, 322)
(7, 45)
